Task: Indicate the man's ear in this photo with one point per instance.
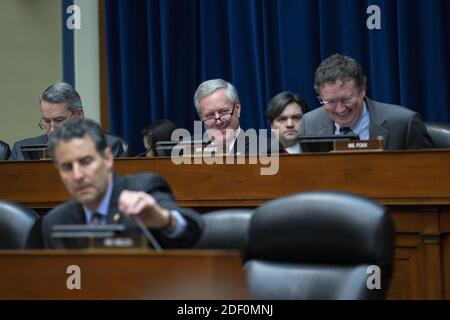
(79, 113)
(238, 107)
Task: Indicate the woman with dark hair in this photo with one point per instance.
(161, 130)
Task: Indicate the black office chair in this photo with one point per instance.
(5, 152)
(125, 146)
(20, 227)
(440, 133)
(225, 229)
(319, 245)
(119, 146)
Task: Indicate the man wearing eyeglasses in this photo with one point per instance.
(60, 103)
(218, 107)
(341, 85)
(284, 113)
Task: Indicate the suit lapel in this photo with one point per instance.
(114, 215)
(327, 127)
(113, 209)
(377, 121)
(76, 216)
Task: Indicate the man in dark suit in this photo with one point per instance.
(341, 85)
(284, 113)
(4, 150)
(58, 104)
(85, 165)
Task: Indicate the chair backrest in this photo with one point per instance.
(125, 146)
(225, 229)
(319, 245)
(440, 133)
(5, 152)
(20, 227)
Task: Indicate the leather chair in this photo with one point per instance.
(20, 227)
(225, 229)
(440, 133)
(319, 245)
(125, 146)
(5, 152)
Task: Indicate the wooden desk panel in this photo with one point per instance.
(393, 178)
(122, 274)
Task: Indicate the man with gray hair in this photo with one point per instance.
(219, 108)
(59, 103)
(341, 85)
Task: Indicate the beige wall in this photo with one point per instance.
(30, 60)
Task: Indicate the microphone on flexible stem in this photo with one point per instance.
(147, 233)
(207, 142)
(142, 153)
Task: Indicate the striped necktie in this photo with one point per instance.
(345, 130)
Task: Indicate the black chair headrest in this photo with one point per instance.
(18, 226)
(225, 229)
(440, 133)
(321, 227)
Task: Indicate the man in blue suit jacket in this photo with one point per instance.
(341, 85)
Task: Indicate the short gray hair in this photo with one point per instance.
(339, 67)
(62, 92)
(208, 87)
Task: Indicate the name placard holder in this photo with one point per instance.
(358, 145)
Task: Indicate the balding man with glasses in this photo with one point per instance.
(59, 103)
(341, 86)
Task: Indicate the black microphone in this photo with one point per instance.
(147, 233)
(134, 218)
(207, 142)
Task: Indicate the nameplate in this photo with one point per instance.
(358, 145)
(207, 150)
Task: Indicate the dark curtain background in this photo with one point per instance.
(159, 51)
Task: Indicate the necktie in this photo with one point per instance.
(96, 218)
(345, 130)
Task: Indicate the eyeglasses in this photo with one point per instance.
(45, 124)
(294, 118)
(334, 102)
(224, 115)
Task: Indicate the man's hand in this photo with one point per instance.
(138, 203)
